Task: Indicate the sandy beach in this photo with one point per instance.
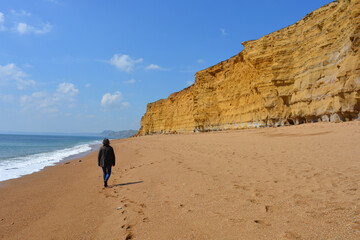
(297, 182)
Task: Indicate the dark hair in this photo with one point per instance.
(106, 141)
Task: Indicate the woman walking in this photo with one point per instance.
(106, 159)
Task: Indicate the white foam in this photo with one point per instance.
(19, 166)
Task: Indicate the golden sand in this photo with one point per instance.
(298, 182)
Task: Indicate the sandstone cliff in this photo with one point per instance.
(307, 72)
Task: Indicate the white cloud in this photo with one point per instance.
(200, 61)
(52, 1)
(22, 84)
(40, 101)
(125, 104)
(2, 27)
(26, 65)
(11, 72)
(67, 89)
(39, 94)
(24, 28)
(124, 62)
(45, 102)
(87, 85)
(20, 13)
(223, 31)
(25, 99)
(113, 100)
(110, 99)
(6, 98)
(153, 67)
(2, 20)
(131, 81)
(189, 83)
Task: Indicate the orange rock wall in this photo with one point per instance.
(307, 72)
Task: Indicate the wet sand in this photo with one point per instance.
(297, 182)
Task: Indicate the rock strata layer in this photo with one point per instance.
(307, 72)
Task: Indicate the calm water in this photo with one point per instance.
(25, 154)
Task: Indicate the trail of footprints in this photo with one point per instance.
(138, 209)
(140, 216)
(183, 165)
(236, 186)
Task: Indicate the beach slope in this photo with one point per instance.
(297, 182)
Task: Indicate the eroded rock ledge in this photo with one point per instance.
(307, 72)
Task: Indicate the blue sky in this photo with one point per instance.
(76, 66)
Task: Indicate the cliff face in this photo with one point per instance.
(306, 72)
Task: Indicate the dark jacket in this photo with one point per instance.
(106, 157)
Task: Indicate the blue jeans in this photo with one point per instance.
(107, 172)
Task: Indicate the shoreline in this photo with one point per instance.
(65, 161)
(93, 147)
(270, 183)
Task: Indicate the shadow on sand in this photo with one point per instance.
(125, 184)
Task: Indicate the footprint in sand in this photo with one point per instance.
(129, 236)
(268, 208)
(236, 220)
(356, 226)
(110, 195)
(215, 178)
(292, 235)
(261, 222)
(244, 188)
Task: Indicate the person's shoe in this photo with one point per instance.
(105, 184)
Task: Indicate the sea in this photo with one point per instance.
(25, 154)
